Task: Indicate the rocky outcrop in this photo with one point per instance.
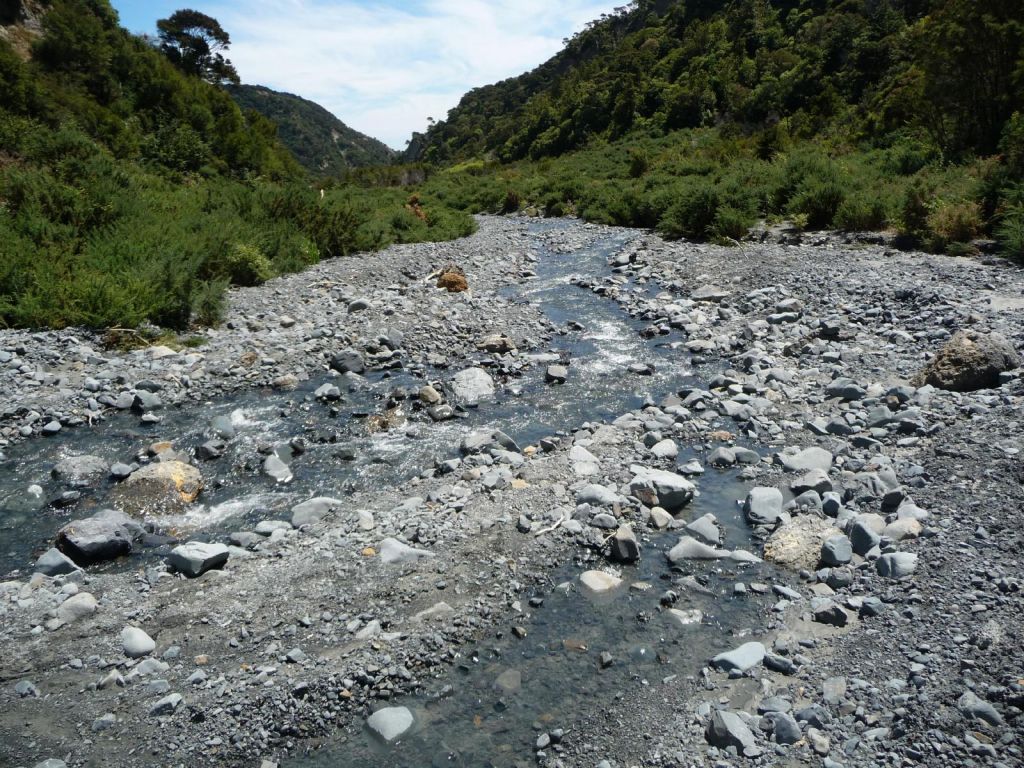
(160, 488)
(970, 361)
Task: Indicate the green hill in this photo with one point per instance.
(132, 192)
(949, 69)
(320, 141)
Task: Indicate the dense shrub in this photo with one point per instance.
(957, 222)
(1010, 233)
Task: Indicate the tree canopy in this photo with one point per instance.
(195, 42)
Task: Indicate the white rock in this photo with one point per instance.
(600, 582)
(77, 607)
(390, 723)
(394, 551)
(685, 618)
(136, 643)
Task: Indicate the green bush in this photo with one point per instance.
(957, 222)
(208, 302)
(731, 224)
(1010, 233)
(861, 213)
(692, 214)
(914, 210)
(819, 199)
(246, 264)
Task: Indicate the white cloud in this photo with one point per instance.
(385, 68)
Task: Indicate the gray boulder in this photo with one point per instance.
(672, 491)
(896, 565)
(816, 480)
(106, 535)
(689, 548)
(274, 467)
(556, 374)
(727, 729)
(472, 385)
(624, 545)
(393, 551)
(77, 607)
(597, 495)
(53, 562)
(806, 460)
(80, 470)
(166, 706)
(972, 706)
(314, 510)
(136, 643)
(348, 361)
(763, 505)
(194, 558)
(836, 551)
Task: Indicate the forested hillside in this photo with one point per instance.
(322, 143)
(700, 117)
(949, 70)
(132, 189)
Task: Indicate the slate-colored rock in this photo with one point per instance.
(472, 385)
(763, 505)
(816, 480)
(53, 562)
(348, 361)
(314, 510)
(624, 547)
(727, 729)
(672, 491)
(194, 558)
(166, 706)
(836, 551)
(979, 709)
(106, 535)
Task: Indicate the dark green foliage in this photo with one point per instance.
(194, 42)
(1010, 233)
(949, 71)
(321, 142)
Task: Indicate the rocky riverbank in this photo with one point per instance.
(882, 631)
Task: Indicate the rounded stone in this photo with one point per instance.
(136, 643)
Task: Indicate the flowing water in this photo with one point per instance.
(557, 662)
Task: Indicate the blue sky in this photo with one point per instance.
(382, 66)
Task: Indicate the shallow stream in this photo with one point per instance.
(557, 664)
